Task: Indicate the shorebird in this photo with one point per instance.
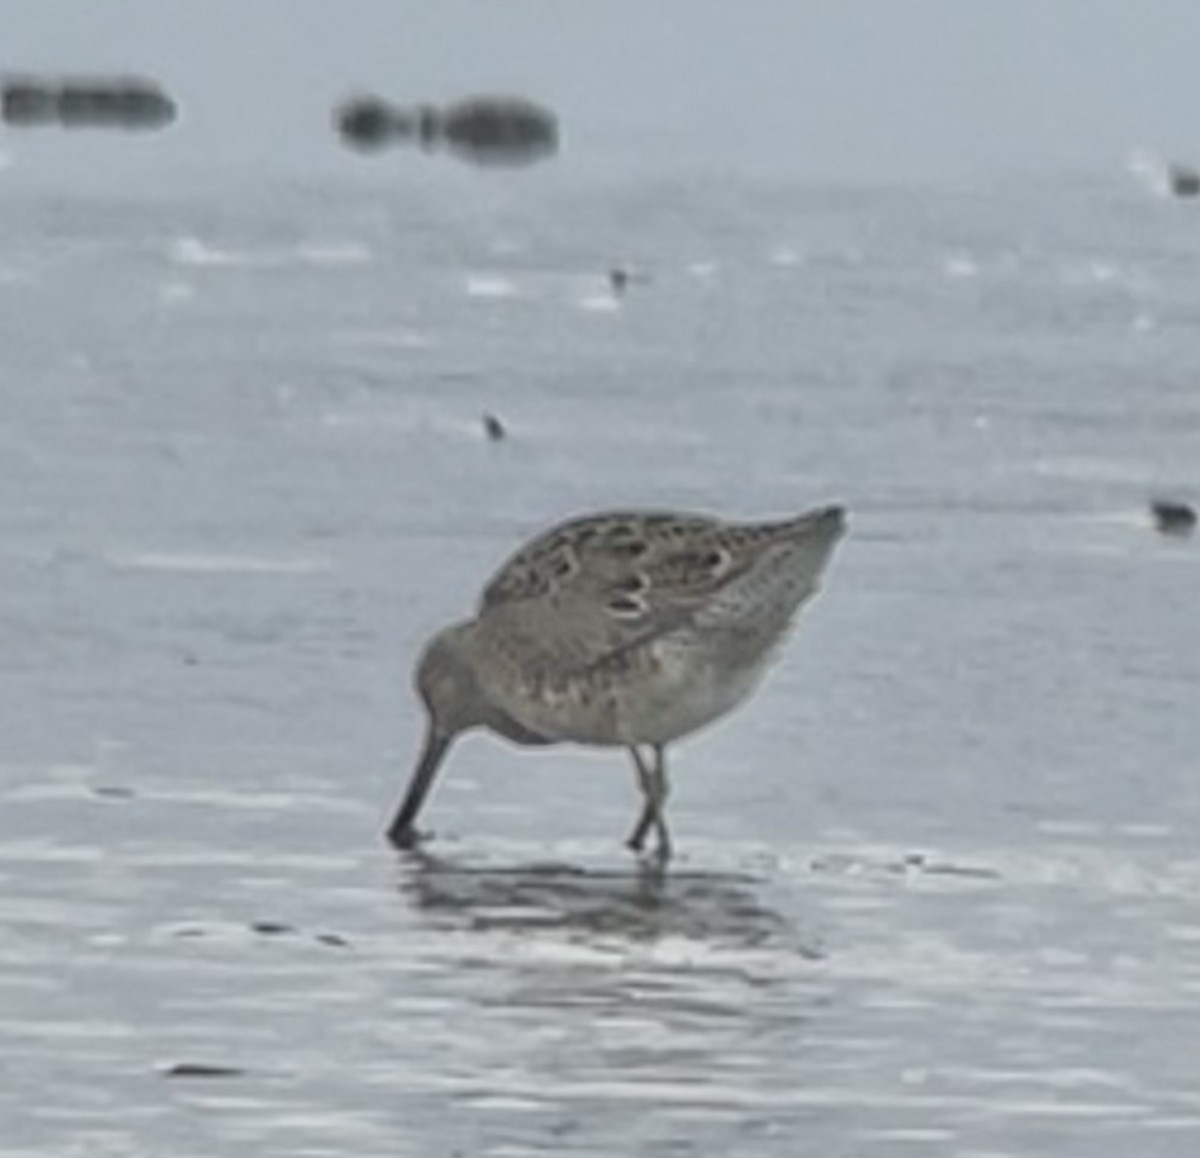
(623, 630)
(493, 428)
(1173, 517)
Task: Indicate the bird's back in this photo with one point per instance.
(606, 623)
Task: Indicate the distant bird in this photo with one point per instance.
(498, 130)
(1185, 181)
(621, 278)
(29, 101)
(624, 630)
(365, 122)
(486, 130)
(493, 428)
(115, 102)
(1173, 517)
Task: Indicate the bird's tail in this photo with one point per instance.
(784, 573)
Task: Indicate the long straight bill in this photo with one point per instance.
(401, 832)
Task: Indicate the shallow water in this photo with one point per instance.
(937, 888)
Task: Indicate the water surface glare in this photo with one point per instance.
(523, 997)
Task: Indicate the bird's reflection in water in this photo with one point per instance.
(644, 902)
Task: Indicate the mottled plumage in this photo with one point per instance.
(627, 629)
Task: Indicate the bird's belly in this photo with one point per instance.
(663, 693)
(682, 699)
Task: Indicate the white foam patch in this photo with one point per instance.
(191, 251)
(400, 416)
(1070, 828)
(335, 253)
(220, 564)
(1150, 171)
(1145, 831)
(785, 256)
(1088, 273)
(960, 266)
(599, 303)
(369, 420)
(397, 339)
(194, 252)
(1172, 1123)
(490, 285)
(1053, 1108)
(212, 796)
(1123, 518)
(911, 1134)
(1095, 469)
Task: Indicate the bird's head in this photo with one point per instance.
(448, 687)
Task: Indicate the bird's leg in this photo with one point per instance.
(661, 789)
(645, 777)
(652, 780)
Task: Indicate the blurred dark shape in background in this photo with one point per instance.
(1185, 181)
(365, 123)
(92, 102)
(1173, 517)
(486, 130)
(28, 103)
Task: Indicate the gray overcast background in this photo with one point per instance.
(892, 89)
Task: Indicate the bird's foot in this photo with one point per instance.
(653, 859)
(405, 839)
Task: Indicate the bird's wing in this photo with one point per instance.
(589, 592)
(577, 610)
(567, 636)
(634, 563)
